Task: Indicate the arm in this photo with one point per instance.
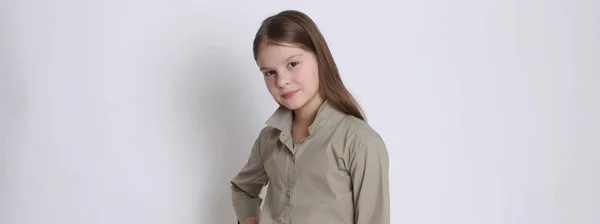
(246, 186)
(369, 168)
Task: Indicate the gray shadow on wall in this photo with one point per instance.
(221, 110)
(14, 102)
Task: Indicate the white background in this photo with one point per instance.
(141, 111)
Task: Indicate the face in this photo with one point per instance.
(291, 75)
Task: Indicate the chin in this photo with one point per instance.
(292, 104)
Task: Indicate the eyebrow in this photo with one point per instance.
(293, 56)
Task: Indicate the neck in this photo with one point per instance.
(305, 116)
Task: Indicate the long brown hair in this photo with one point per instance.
(294, 27)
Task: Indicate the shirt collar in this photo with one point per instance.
(282, 118)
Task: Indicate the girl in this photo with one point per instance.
(323, 162)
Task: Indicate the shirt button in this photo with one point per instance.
(287, 193)
(293, 158)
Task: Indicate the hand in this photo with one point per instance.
(250, 220)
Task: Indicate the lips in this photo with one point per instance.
(289, 94)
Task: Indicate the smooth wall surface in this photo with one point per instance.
(141, 111)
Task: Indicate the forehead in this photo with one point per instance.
(273, 54)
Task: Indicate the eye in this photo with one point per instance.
(269, 73)
(293, 64)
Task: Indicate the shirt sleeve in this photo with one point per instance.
(247, 185)
(369, 169)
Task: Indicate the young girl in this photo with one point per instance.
(323, 162)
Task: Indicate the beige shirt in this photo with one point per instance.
(337, 175)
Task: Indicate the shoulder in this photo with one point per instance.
(364, 145)
(265, 137)
(359, 135)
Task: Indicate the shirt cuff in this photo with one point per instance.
(247, 208)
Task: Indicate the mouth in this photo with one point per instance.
(289, 94)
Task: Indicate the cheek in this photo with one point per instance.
(307, 78)
(271, 85)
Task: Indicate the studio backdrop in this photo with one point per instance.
(141, 111)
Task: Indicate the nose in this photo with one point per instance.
(283, 79)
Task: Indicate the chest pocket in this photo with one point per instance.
(323, 162)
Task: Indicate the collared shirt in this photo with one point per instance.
(337, 175)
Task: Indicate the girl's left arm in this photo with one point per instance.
(369, 168)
